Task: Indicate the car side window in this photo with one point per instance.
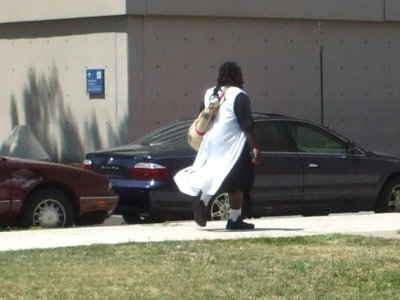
(313, 139)
(272, 137)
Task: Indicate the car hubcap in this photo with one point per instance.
(220, 207)
(49, 213)
(394, 199)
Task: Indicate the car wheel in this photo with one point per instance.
(389, 200)
(219, 207)
(49, 208)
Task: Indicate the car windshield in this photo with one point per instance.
(173, 134)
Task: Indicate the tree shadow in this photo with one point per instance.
(52, 121)
(14, 112)
(92, 133)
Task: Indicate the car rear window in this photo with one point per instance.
(174, 134)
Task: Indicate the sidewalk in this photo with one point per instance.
(384, 225)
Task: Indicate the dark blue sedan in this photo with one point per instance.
(306, 169)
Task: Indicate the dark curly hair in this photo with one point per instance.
(229, 74)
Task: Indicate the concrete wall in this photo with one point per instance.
(361, 71)
(331, 61)
(352, 10)
(44, 83)
(341, 74)
(280, 62)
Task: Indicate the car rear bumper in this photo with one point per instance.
(134, 194)
(171, 204)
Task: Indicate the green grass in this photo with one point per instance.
(321, 267)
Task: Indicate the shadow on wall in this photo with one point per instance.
(52, 121)
(93, 134)
(14, 112)
(49, 119)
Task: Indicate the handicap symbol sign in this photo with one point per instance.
(95, 81)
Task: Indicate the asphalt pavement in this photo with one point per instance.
(115, 232)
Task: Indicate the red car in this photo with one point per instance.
(36, 193)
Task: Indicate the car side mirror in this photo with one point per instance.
(352, 149)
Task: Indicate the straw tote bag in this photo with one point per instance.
(203, 122)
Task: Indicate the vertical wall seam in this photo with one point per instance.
(384, 10)
(321, 72)
(116, 85)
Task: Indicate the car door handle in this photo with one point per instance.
(313, 166)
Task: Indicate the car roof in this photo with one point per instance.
(265, 115)
(256, 115)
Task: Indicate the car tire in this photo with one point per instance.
(135, 218)
(218, 208)
(389, 199)
(131, 218)
(48, 208)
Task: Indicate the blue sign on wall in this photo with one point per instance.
(95, 81)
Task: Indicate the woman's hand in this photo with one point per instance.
(256, 156)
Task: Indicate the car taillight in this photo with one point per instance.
(87, 164)
(149, 171)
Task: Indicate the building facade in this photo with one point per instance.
(335, 62)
